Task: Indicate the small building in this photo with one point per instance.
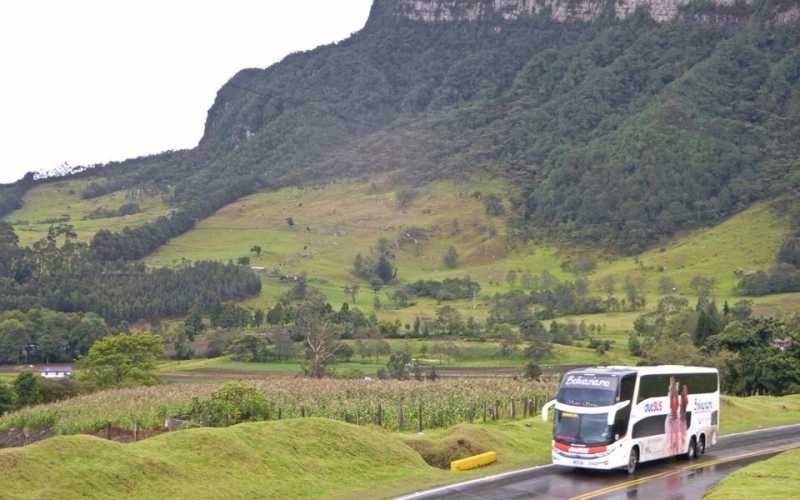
(57, 372)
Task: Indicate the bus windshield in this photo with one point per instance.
(575, 428)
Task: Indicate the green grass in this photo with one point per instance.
(776, 478)
(48, 202)
(287, 459)
(347, 217)
(301, 458)
(758, 412)
(339, 220)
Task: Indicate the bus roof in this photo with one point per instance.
(644, 370)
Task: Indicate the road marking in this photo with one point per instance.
(673, 472)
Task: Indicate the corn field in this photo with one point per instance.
(395, 405)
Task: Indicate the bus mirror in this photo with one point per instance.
(546, 409)
(612, 414)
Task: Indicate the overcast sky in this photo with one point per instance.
(89, 81)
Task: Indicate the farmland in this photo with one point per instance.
(444, 403)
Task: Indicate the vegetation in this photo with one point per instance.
(444, 403)
(773, 478)
(122, 360)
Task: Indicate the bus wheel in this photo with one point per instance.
(691, 453)
(701, 449)
(633, 461)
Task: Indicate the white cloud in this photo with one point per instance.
(89, 81)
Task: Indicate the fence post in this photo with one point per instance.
(302, 411)
(484, 412)
(380, 415)
(513, 409)
(525, 408)
(496, 409)
(136, 431)
(401, 423)
(420, 418)
(108, 430)
(280, 413)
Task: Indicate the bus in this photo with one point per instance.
(617, 417)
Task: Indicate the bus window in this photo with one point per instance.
(625, 394)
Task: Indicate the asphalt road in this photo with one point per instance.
(672, 479)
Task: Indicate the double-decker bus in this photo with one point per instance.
(618, 417)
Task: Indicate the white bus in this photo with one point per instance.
(617, 417)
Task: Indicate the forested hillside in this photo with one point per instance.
(619, 131)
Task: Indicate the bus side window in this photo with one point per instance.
(625, 394)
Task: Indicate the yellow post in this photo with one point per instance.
(474, 462)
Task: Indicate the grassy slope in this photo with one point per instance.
(296, 458)
(348, 217)
(54, 200)
(776, 478)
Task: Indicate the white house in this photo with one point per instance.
(57, 372)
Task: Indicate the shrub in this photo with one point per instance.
(231, 405)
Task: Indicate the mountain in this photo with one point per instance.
(618, 122)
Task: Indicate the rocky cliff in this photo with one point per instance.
(437, 11)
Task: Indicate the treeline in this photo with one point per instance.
(46, 336)
(754, 355)
(67, 277)
(11, 194)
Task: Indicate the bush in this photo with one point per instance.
(532, 371)
(231, 405)
(7, 398)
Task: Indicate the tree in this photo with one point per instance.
(7, 399)
(609, 285)
(703, 286)
(193, 324)
(256, 249)
(494, 205)
(666, 285)
(385, 270)
(244, 261)
(122, 360)
(404, 197)
(27, 389)
(352, 291)
(290, 222)
(320, 339)
(532, 371)
(398, 365)
(451, 258)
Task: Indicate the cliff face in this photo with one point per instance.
(439, 11)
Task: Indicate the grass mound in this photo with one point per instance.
(460, 442)
(778, 477)
(285, 459)
(757, 412)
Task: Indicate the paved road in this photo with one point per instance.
(672, 479)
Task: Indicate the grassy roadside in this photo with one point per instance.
(776, 478)
(266, 459)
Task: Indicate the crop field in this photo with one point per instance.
(61, 203)
(333, 223)
(443, 403)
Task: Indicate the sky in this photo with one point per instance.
(90, 81)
